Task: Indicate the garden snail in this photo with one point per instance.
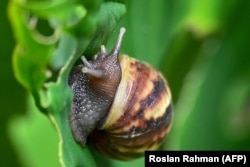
(123, 106)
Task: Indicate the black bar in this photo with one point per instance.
(197, 158)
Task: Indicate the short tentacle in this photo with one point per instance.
(95, 73)
(85, 62)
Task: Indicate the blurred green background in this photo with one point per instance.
(202, 47)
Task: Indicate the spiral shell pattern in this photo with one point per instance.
(140, 116)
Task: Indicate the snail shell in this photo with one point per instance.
(123, 106)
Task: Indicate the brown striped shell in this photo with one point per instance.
(140, 116)
(123, 106)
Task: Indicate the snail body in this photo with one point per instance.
(123, 106)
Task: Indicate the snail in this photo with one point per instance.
(121, 105)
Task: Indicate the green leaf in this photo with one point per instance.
(216, 94)
(150, 26)
(201, 48)
(66, 48)
(107, 18)
(31, 55)
(33, 133)
(72, 153)
(34, 56)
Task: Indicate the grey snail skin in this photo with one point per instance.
(122, 106)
